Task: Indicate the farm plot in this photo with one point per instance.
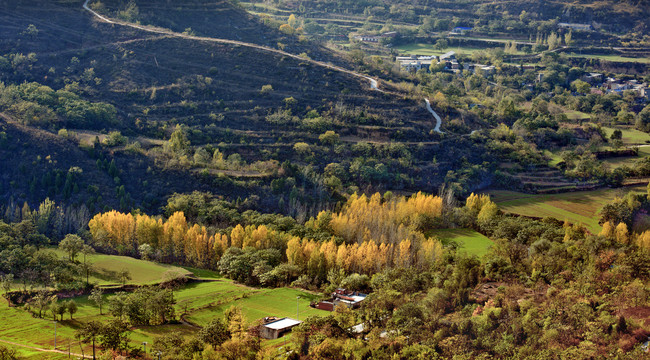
(575, 207)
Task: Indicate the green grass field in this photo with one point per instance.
(467, 239)
(613, 58)
(201, 302)
(428, 49)
(142, 272)
(613, 163)
(19, 326)
(554, 157)
(630, 136)
(577, 115)
(575, 207)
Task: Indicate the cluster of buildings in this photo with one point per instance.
(601, 85)
(460, 30)
(375, 38)
(342, 297)
(273, 327)
(414, 63)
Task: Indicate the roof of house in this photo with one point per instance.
(282, 324)
(574, 25)
(448, 55)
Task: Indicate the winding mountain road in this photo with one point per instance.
(435, 115)
(374, 83)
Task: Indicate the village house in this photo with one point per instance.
(460, 30)
(480, 69)
(349, 299)
(367, 38)
(375, 38)
(593, 78)
(449, 56)
(580, 27)
(414, 63)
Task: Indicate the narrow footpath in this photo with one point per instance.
(46, 350)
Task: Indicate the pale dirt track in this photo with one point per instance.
(374, 84)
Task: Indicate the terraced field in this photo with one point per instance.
(575, 207)
(196, 302)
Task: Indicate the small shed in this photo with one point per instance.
(325, 305)
(277, 328)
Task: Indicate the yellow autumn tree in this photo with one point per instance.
(404, 257)
(148, 230)
(294, 251)
(430, 250)
(608, 230)
(173, 239)
(621, 233)
(237, 236)
(476, 202)
(643, 240)
(287, 29)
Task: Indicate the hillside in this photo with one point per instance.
(613, 16)
(219, 19)
(155, 82)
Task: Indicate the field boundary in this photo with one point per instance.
(46, 350)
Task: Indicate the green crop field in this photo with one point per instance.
(198, 302)
(575, 207)
(554, 157)
(467, 239)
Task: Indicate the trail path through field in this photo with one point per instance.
(374, 84)
(46, 350)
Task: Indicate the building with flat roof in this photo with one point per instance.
(277, 328)
(581, 27)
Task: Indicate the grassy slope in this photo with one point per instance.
(469, 240)
(576, 207)
(576, 115)
(630, 136)
(204, 301)
(142, 272)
